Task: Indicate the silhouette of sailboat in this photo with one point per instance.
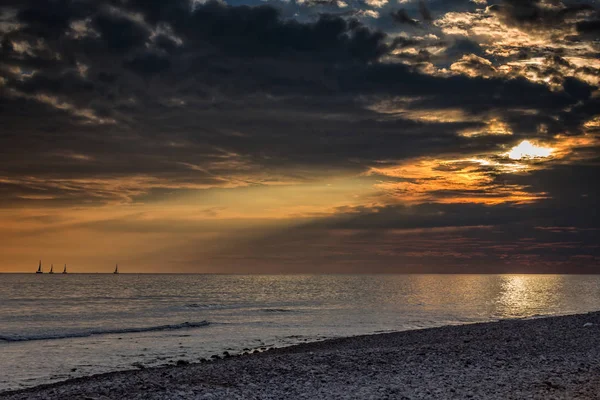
(116, 269)
(65, 270)
(51, 269)
(39, 270)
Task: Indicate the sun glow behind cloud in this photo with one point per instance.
(452, 181)
(528, 150)
(474, 179)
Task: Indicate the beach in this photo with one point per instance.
(542, 358)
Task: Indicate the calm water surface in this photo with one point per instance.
(53, 327)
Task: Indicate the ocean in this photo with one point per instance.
(55, 327)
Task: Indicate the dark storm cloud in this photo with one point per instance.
(222, 59)
(68, 83)
(335, 56)
(589, 27)
(175, 11)
(425, 12)
(120, 33)
(572, 188)
(149, 63)
(401, 16)
(539, 14)
(50, 19)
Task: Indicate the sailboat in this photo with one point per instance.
(39, 271)
(51, 269)
(116, 269)
(65, 270)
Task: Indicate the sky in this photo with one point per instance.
(300, 136)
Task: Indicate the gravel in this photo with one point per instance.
(545, 358)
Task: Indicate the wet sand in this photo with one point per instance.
(545, 358)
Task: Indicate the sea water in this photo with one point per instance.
(55, 327)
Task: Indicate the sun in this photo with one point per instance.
(526, 149)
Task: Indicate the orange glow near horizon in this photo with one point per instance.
(204, 220)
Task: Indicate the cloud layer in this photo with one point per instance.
(379, 135)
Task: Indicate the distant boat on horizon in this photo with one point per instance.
(51, 269)
(39, 270)
(116, 269)
(65, 270)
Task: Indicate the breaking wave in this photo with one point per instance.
(92, 332)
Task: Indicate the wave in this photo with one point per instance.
(201, 306)
(96, 298)
(93, 332)
(208, 306)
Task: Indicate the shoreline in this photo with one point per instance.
(543, 357)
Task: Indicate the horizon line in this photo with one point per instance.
(305, 273)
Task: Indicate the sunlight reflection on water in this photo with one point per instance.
(245, 311)
(524, 295)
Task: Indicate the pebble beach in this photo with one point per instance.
(543, 358)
